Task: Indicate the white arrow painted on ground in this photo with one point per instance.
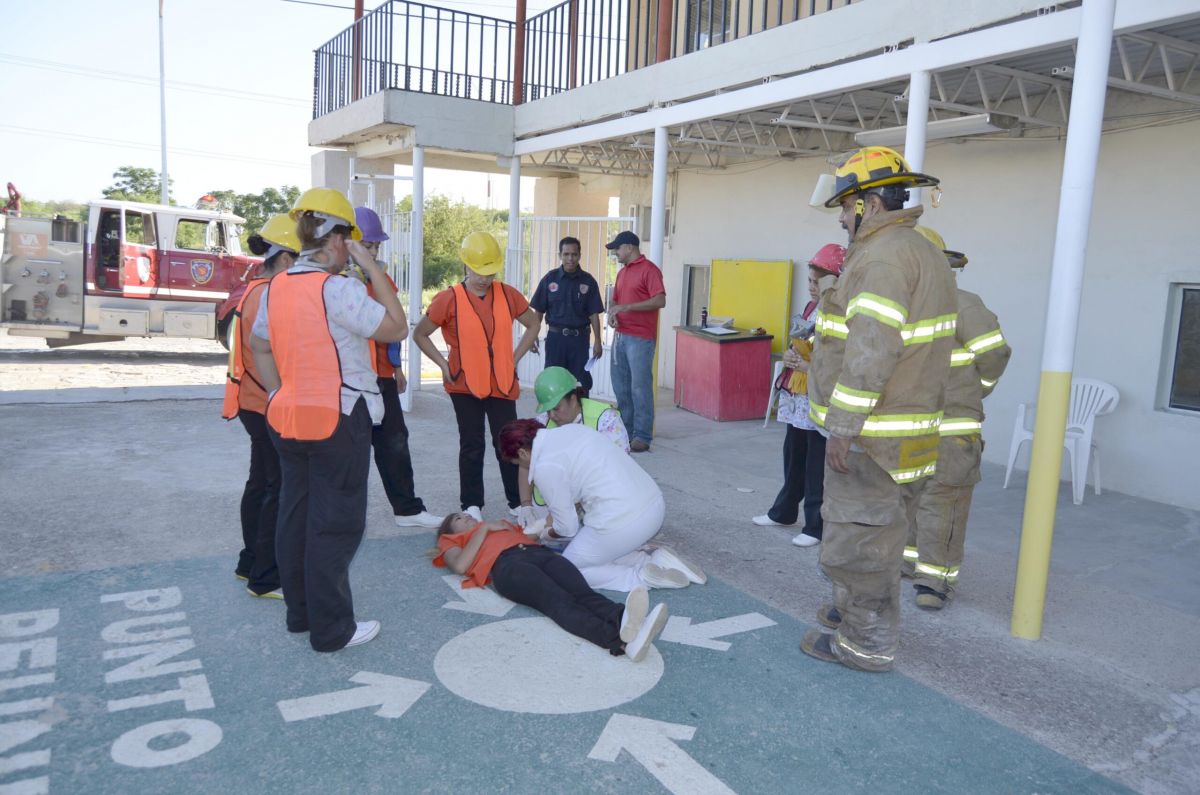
(651, 743)
(484, 601)
(392, 694)
(681, 630)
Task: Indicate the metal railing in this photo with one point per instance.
(424, 48)
(415, 47)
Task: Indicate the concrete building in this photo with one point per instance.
(711, 132)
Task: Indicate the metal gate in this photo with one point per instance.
(394, 253)
(536, 253)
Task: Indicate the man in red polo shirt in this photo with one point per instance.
(637, 297)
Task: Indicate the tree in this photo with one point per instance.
(256, 208)
(74, 210)
(446, 224)
(137, 185)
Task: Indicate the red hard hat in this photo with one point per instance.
(829, 259)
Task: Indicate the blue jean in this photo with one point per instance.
(633, 383)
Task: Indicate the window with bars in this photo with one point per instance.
(1181, 380)
(707, 23)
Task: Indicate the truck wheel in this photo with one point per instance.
(223, 330)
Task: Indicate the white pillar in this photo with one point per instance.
(1062, 313)
(164, 180)
(416, 267)
(658, 197)
(512, 270)
(914, 128)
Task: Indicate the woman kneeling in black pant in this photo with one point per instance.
(527, 573)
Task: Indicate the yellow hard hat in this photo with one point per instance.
(957, 259)
(330, 205)
(482, 254)
(874, 167)
(280, 230)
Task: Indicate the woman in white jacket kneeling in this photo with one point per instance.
(622, 506)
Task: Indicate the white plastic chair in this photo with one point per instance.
(775, 371)
(1089, 400)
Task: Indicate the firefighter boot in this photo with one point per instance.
(828, 616)
(815, 643)
(929, 599)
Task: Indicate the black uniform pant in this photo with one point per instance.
(570, 352)
(470, 412)
(322, 515)
(260, 507)
(803, 479)
(390, 442)
(549, 583)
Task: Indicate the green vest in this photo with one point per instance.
(592, 410)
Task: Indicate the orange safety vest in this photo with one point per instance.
(476, 354)
(250, 395)
(308, 404)
(379, 354)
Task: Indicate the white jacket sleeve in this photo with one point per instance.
(552, 482)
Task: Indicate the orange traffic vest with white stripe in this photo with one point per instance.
(477, 355)
(379, 350)
(308, 405)
(243, 387)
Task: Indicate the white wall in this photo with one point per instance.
(1000, 207)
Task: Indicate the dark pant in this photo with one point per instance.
(803, 479)
(570, 352)
(470, 412)
(260, 507)
(549, 583)
(390, 441)
(322, 515)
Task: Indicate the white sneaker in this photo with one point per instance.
(637, 648)
(767, 521)
(805, 540)
(656, 576)
(636, 606)
(366, 632)
(422, 519)
(670, 559)
(475, 512)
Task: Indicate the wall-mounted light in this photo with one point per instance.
(975, 124)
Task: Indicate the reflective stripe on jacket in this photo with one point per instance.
(477, 355)
(976, 364)
(308, 404)
(884, 339)
(243, 386)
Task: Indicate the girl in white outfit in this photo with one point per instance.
(622, 506)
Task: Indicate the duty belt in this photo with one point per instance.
(568, 332)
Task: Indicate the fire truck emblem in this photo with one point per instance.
(202, 271)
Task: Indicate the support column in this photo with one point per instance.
(518, 68)
(416, 267)
(914, 128)
(1062, 314)
(356, 56)
(512, 262)
(658, 197)
(666, 15)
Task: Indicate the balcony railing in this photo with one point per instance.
(424, 48)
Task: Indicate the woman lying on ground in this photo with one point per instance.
(527, 573)
(622, 506)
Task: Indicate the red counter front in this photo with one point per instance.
(722, 377)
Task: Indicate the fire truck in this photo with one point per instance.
(132, 270)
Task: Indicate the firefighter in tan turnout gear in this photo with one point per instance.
(878, 373)
(935, 545)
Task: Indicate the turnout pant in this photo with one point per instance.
(803, 479)
(389, 440)
(867, 517)
(540, 578)
(935, 544)
(322, 515)
(571, 352)
(260, 507)
(610, 557)
(470, 412)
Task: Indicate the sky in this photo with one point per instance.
(82, 95)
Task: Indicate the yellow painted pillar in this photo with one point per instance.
(1062, 315)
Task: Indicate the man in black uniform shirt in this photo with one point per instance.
(569, 299)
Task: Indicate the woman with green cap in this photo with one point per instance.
(561, 401)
